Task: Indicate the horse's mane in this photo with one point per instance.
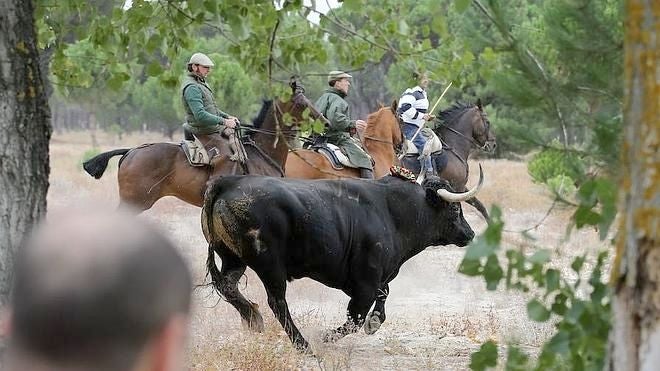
(261, 117)
(450, 115)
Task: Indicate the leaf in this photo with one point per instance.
(154, 42)
(584, 216)
(352, 5)
(493, 273)
(485, 357)
(560, 343)
(559, 306)
(516, 360)
(540, 257)
(536, 311)
(470, 267)
(551, 280)
(403, 27)
(480, 248)
(574, 312)
(154, 69)
(577, 263)
(461, 5)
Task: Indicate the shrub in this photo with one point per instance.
(552, 162)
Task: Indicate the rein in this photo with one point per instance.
(471, 140)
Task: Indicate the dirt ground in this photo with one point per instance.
(436, 317)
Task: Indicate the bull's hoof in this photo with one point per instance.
(255, 324)
(372, 324)
(303, 347)
(330, 336)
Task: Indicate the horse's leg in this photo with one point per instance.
(226, 282)
(479, 206)
(377, 316)
(276, 290)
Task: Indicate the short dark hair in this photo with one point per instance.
(332, 83)
(99, 304)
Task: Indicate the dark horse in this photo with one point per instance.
(152, 171)
(462, 127)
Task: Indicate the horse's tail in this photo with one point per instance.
(96, 165)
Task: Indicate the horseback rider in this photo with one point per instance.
(342, 130)
(413, 109)
(203, 117)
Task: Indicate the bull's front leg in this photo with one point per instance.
(377, 316)
(358, 307)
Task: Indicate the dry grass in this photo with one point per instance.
(435, 316)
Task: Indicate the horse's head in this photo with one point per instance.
(298, 103)
(481, 131)
(384, 126)
(470, 122)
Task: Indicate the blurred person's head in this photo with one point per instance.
(98, 292)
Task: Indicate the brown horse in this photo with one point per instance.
(152, 171)
(463, 127)
(381, 138)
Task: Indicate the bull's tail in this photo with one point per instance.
(96, 165)
(213, 271)
(210, 196)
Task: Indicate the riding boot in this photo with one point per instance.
(366, 173)
(426, 165)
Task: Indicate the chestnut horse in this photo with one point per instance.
(151, 171)
(381, 138)
(462, 127)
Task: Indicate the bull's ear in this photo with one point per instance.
(433, 199)
(481, 107)
(431, 186)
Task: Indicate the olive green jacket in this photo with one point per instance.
(201, 113)
(332, 105)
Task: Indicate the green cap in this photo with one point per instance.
(337, 75)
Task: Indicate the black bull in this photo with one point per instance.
(351, 235)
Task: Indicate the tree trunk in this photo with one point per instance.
(24, 134)
(635, 336)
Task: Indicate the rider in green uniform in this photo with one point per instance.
(203, 117)
(342, 130)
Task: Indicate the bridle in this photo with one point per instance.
(299, 100)
(472, 141)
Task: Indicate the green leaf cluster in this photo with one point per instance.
(552, 162)
(582, 321)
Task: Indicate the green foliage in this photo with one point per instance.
(582, 322)
(562, 185)
(597, 205)
(552, 162)
(485, 357)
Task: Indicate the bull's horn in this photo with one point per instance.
(458, 197)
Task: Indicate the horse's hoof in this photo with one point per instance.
(372, 324)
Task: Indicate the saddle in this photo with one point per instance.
(199, 155)
(432, 146)
(334, 154)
